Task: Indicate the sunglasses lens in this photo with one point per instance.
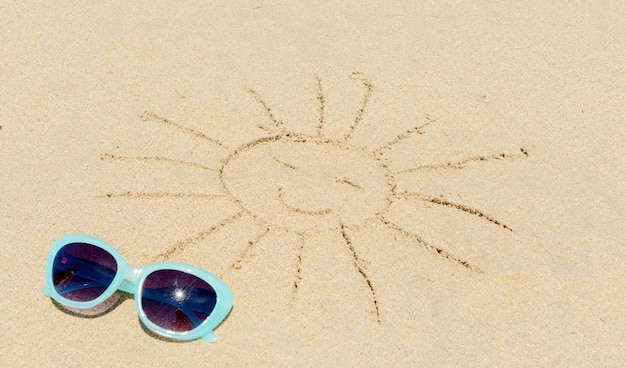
(177, 301)
(82, 272)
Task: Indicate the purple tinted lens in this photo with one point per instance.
(177, 301)
(82, 272)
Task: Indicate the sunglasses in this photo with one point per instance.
(175, 300)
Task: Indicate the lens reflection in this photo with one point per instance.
(82, 272)
(176, 300)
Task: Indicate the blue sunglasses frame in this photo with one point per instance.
(131, 280)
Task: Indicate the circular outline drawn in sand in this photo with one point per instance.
(301, 182)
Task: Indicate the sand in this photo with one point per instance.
(434, 184)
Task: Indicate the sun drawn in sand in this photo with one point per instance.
(302, 182)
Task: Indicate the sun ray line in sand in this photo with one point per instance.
(278, 124)
(299, 252)
(110, 156)
(433, 249)
(149, 116)
(358, 264)
(403, 136)
(463, 163)
(460, 207)
(369, 87)
(245, 253)
(321, 108)
(184, 244)
(160, 195)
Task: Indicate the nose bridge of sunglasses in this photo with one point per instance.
(128, 283)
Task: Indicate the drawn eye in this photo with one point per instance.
(285, 164)
(349, 182)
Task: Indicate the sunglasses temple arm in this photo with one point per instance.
(66, 288)
(160, 297)
(192, 317)
(91, 279)
(97, 276)
(126, 286)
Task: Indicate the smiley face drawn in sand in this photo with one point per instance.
(304, 182)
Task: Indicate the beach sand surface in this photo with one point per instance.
(380, 184)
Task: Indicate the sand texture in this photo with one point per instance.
(401, 184)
